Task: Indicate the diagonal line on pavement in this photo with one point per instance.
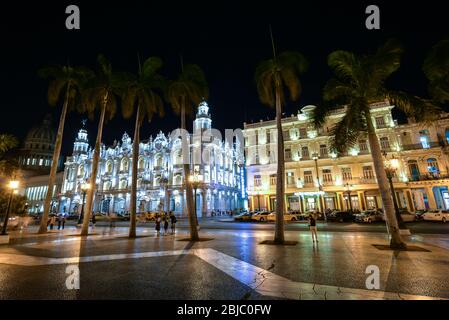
(262, 281)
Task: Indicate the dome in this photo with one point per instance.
(42, 136)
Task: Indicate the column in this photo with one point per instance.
(361, 196)
(431, 198)
(339, 200)
(204, 202)
(409, 200)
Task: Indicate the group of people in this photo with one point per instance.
(165, 219)
(60, 219)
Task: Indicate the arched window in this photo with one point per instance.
(157, 182)
(124, 164)
(413, 169)
(141, 163)
(106, 185)
(81, 170)
(123, 184)
(159, 160)
(424, 138)
(139, 183)
(177, 180)
(432, 166)
(109, 166)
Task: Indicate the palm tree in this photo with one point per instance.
(141, 92)
(436, 68)
(99, 93)
(65, 83)
(358, 82)
(7, 143)
(273, 78)
(183, 93)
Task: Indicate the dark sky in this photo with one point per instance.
(227, 39)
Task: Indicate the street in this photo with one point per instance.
(231, 265)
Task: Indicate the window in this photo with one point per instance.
(363, 146)
(323, 151)
(290, 178)
(308, 177)
(81, 171)
(380, 122)
(294, 134)
(424, 139)
(141, 164)
(272, 179)
(346, 174)
(123, 184)
(384, 143)
(432, 166)
(302, 133)
(305, 152)
(109, 167)
(288, 154)
(106, 185)
(327, 175)
(257, 180)
(124, 164)
(368, 172)
(413, 169)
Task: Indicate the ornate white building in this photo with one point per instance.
(160, 181)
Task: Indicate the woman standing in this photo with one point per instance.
(312, 226)
(158, 224)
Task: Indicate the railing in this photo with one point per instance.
(429, 176)
(418, 146)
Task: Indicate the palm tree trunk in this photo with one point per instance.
(94, 169)
(191, 212)
(136, 143)
(396, 241)
(280, 188)
(54, 164)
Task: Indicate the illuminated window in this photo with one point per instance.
(257, 180)
(368, 172)
(323, 151)
(273, 179)
(384, 143)
(308, 177)
(327, 175)
(305, 152)
(380, 122)
(346, 174)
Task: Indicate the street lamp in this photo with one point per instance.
(315, 158)
(196, 180)
(84, 188)
(14, 186)
(348, 195)
(391, 167)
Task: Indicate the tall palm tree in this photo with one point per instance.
(274, 77)
(7, 164)
(359, 81)
(183, 94)
(436, 68)
(141, 92)
(99, 94)
(65, 84)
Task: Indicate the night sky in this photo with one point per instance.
(227, 39)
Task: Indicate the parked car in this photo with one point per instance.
(419, 214)
(369, 216)
(243, 217)
(261, 216)
(341, 216)
(287, 216)
(436, 215)
(407, 216)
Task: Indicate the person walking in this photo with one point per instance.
(59, 221)
(94, 220)
(158, 225)
(173, 221)
(62, 221)
(312, 226)
(52, 222)
(165, 224)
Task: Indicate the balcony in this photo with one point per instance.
(430, 176)
(419, 146)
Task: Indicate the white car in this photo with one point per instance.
(287, 217)
(436, 215)
(260, 216)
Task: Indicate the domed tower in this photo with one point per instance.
(37, 152)
(203, 120)
(81, 145)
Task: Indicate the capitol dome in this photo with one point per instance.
(39, 144)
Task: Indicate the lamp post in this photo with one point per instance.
(348, 195)
(196, 180)
(14, 186)
(84, 188)
(315, 158)
(391, 167)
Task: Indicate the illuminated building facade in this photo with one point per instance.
(317, 179)
(160, 181)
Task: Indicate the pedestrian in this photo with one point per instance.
(59, 222)
(173, 222)
(94, 220)
(63, 221)
(165, 224)
(158, 225)
(312, 226)
(52, 221)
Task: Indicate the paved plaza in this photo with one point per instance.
(233, 265)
